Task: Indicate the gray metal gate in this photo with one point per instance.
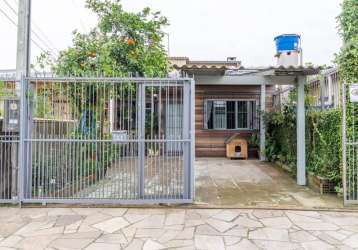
(105, 140)
(350, 143)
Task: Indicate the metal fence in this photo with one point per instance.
(106, 140)
(9, 144)
(350, 144)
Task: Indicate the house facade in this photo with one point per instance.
(223, 107)
(325, 89)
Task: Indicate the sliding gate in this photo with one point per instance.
(350, 143)
(107, 140)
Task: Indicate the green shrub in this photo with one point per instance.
(323, 141)
(324, 144)
(281, 137)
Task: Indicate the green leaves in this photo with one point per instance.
(347, 59)
(281, 136)
(324, 144)
(323, 141)
(348, 20)
(123, 43)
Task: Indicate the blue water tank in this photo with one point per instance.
(287, 42)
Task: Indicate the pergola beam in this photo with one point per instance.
(252, 80)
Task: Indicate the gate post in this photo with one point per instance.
(262, 123)
(141, 137)
(192, 139)
(186, 136)
(25, 168)
(344, 142)
(22, 155)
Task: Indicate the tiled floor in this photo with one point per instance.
(251, 183)
(120, 228)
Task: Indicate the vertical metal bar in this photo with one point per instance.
(322, 92)
(141, 137)
(22, 155)
(122, 128)
(2, 164)
(29, 135)
(247, 115)
(165, 136)
(192, 139)
(186, 135)
(353, 145)
(344, 143)
(35, 146)
(136, 144)
(117, 162)
(2, 167)
(130, 144)
(262, 122)
(179, 134)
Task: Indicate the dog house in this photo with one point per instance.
(236, 147)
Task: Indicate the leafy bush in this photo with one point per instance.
(323, 141)
(324, 144)
(281, 136)
(347, 59)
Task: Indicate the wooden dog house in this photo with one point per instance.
(236, 147)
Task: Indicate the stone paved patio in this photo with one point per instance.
(149, 229)
(251, 183)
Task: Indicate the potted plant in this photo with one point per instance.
(254, 144)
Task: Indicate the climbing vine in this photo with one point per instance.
(347, 59)
(323, 141)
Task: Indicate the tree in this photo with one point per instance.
(122, 43)
(347, 59)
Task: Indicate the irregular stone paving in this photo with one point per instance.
(154, 229)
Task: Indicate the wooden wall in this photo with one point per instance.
(211, 143)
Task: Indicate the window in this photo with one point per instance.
(242, 114)
(230, 114)
(220, 114)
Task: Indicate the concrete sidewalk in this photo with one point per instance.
(251, 183)
(149, 229)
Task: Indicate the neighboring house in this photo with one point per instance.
(281, 96)
(7, 73)
(222, 108)
(7, 88)
(59, 108)
(325, 89)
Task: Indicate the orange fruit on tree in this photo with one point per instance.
(130, 41)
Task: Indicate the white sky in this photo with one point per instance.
(200, 29)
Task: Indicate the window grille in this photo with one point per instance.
(230, 114)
